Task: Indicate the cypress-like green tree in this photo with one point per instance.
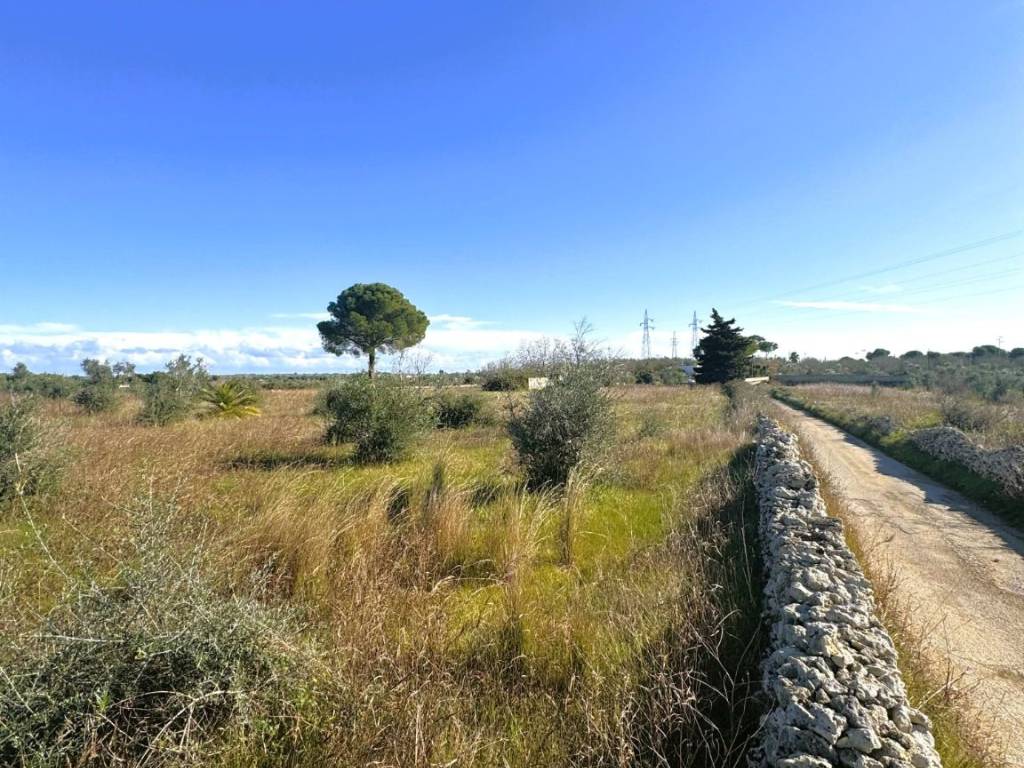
(723, 352)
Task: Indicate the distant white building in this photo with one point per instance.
(536, 382)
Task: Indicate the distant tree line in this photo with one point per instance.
(184, 388)
(986, 370)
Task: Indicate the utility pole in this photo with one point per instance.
(647, 325)
(695, 327)
(675, 346)
(999, 342)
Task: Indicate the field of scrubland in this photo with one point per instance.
(239, 592)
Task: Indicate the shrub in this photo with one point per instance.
(457, 410)
(96, 398)
(644, 376)
(143, 667)
(49, 385)
(230, 399)
(567, 425)
(171, 395)
(672, 376)
(100, 390)
(965, 415)
(381, 417)
(28, 462)
(503, 381)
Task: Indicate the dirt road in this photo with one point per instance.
(961, 568)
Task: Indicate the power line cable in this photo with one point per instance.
(950, 299)
(901, 265)
(859, 296)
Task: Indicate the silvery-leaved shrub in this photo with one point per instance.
(566, 426)
(381, 416)
(30, 454)
(145, 666)
(171, 395)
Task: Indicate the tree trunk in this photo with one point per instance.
(373, 363)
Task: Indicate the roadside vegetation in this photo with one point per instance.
(886, 418)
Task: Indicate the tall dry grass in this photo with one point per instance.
(458, 618)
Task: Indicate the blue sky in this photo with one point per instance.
(205, 177)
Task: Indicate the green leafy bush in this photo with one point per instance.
(381, 417)
(99, 393)
(96, 398)
(171, 395)
(567, 425)
(503, 381)
(29, 461)
(50, 385)
(230, 400)
(644, 376)
(142, 668)
(455, 410)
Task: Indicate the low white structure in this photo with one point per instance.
(536, 382)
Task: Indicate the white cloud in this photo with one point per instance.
(852, 306)
(452, 342)
(457, 321)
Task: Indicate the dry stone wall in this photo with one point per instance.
(835, 695)
(1005, 466)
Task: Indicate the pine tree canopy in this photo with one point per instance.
(371, 317)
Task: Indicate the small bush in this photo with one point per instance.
(171, 395)
(230, 400)
(965, 415)
(99, 393)
(382, 418)
(672, 376)
(644, 376)
(567, 425)
(28, 461)
(503, 381)
(142, 668)
(457, 410)
(96, 397)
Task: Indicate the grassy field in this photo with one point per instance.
(426, 613)
(885, 418)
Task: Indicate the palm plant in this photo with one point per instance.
(230, 399)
